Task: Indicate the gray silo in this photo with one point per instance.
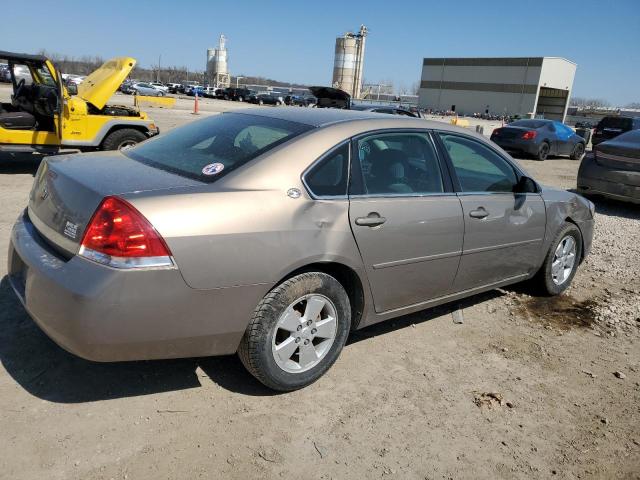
(349, 62)
(217, 68)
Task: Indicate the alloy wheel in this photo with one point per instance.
(304, 333)
(564, 260)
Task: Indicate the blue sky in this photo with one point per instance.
(294, 41)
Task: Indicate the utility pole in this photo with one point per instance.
(158, 76)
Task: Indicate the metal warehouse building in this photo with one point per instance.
(525, 86)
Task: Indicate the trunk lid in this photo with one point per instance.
(329, 97)
(100, 85)
(509, 133)
(68, 189)
(621, 153)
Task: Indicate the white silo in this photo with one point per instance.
(217, 68)
(349, 62)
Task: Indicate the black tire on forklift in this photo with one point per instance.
(124, 137)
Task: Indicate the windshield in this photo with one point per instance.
(210, 148)
(528, 123)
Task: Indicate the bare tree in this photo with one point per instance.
(588, 102)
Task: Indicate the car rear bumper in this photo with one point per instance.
(594, 179)
(517, 145)
(106, 314)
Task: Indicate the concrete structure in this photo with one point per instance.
(217, 67)
(349, 62)
(525, 86)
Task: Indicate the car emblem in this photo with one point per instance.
(294, 193)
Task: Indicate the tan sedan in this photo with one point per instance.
(275, 232)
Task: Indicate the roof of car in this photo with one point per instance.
(22, 56)
(318, 117)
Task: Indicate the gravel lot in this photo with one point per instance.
(527, 387)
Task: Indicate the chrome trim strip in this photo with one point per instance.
(409, 261)
(619, 158)
(466, 194)
(404, 195)
(498, 247)
(126, 262)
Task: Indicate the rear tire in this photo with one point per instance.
(578, 151)
(543, 151)
(284, 318)
(125, 137)
(555, 276)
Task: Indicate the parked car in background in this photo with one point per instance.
(41, 103)
(540, 138)
(75, 79)
(384, 109)
(5, 73)
(611, 127)
(613, 169)
(157, 251)
(143, 88)
(127, 88)
(160, 86)
(192, 90)
(211, 92)
(265, 98)
(299, 100)
(329, 97)
(173, 87)
(236, 94)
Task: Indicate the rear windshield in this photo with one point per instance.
(622, 123)
(210, 148)
(528, 123)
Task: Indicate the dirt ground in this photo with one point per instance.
(527, 387)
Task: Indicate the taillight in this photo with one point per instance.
(530, 135)
(496, 132)
(119, 236)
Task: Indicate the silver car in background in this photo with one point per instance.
(142, 88)
(273, 233)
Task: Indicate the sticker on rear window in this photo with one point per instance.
(212, 169)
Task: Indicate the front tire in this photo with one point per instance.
(125, 137)
(561, 262)
(297, 331)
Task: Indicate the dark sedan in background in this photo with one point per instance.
(613, 170)
(540, 138)
(612, 126)
(385, 109)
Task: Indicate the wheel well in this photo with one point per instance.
(140, 128)
(347, 277)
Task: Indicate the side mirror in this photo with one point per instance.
(72, 88)
(526, 185)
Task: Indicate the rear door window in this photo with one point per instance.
(399, 164)
(210, 148)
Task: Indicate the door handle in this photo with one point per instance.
(479, 213)
(372, 220)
